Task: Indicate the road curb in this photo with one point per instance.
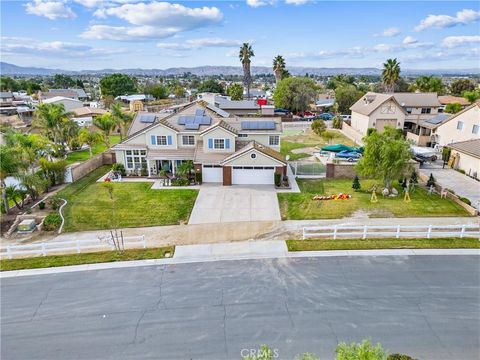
(251, 256)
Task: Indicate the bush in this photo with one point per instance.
(337, 123)
(356, 183)
(318, 127)
(364, 351)
(278, 179)
(180, 182)
(52, 222)
(399, 357)
(41, 205)
(461, 171)
(198, 177)
(465, 200)
(118, 167)
(54, 202)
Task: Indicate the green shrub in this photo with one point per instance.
(337, 123)
(52, 222)
(363, 351)
(54, 202)
(356, 183)
(278, 179)
(118, 167)
(465, 200)
(41, 205)
(461, 171)
(399, 357)
(198, 177)
(180, 182)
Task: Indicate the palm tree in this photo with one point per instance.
(122, 119)
(245, 55)
(51, 118)
(8, 166)
(390, 74)
(278, 67)
(106, 124)
(91, 138)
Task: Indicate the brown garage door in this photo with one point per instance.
(381, 123)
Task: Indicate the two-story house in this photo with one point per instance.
(224, 148)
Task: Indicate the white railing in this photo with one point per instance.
(398, 231)
(60, 247)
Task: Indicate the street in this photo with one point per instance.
(425, 306)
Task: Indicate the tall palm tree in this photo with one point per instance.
(106, 124)
(278, 67)
(122, 119)
(50, 118)
(245, 55)
(390, 74)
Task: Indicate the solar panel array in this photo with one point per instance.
(219, 111)
(149, 119)
(193, 122)
(258, 125)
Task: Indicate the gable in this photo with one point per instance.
(260, 159)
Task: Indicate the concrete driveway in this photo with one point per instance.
(221, 204)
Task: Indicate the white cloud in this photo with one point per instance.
(355, 52)
(49, 9)
(409, 40)
(462, 17)
(258, 3)
(200, 43)
(152, 20)
(390, 32)
(296, 2)
(455, 41)
(59, 48)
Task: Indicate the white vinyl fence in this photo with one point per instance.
(60, 247)
(398, 231)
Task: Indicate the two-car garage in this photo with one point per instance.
(245, 175)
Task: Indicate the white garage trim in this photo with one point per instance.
(212, 173)
(246, 175)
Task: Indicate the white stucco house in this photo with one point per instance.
(224, 148)
(68, 103)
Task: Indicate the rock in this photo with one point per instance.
(394, 192)
(385, 192)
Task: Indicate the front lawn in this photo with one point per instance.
(390, 243)
(86, 258)
(291, 141)
(83, 155)
(299, 206)
(135, 204)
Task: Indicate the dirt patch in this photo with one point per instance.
(377, 213)
(306, 150)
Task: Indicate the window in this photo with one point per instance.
(188, 140)
(135, 159)
(242, 135)
(219, 143)
(426, 110)
(460, 125)
(408, 110)
(274, 140)
(162, 140)
(475, 129)
(253, 156)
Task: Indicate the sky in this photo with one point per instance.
(99, 34)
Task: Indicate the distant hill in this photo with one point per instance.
(11, 69)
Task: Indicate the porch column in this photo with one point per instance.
(148, 168)
(173, 167)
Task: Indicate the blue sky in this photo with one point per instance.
(96, 34)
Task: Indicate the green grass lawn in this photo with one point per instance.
(86, 258)
(135, 204)
(390, 243)
(83, 155)
(298, 206)
(300, 140)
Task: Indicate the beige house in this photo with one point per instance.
(224, 148)
(465, 156)
(68, 103)
(463, 126)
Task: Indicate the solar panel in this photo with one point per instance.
(184, 119)
(192, 126)
(147, 119)
(205, 120)
(219, 111)
(199, 112)
(258, 125)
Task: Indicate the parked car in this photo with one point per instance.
(351, 156)
(280, 111)
(346, 117)
(423, 154)
(326, 116)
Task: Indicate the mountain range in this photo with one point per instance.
(11, 69)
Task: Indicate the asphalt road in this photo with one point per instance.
(425, 306)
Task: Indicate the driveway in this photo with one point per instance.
(221, 204)
(424, 306)
(452, 179)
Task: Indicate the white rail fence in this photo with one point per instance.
(60, 247)
(398, 231)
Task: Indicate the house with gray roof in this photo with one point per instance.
(223, 147)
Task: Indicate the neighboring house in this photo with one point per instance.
(238, 107)
(224, 148)
(323, 104)
(66, 93)
(255, 93)
(6, 98)
(465, 155)
(135, 97)
(80, 93)
(211, 97)
(445, 100)
(399, 110)
(68, 103)
(84, 116)
(462, 126)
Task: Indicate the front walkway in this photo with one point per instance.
(222, 204)
(452, 179)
